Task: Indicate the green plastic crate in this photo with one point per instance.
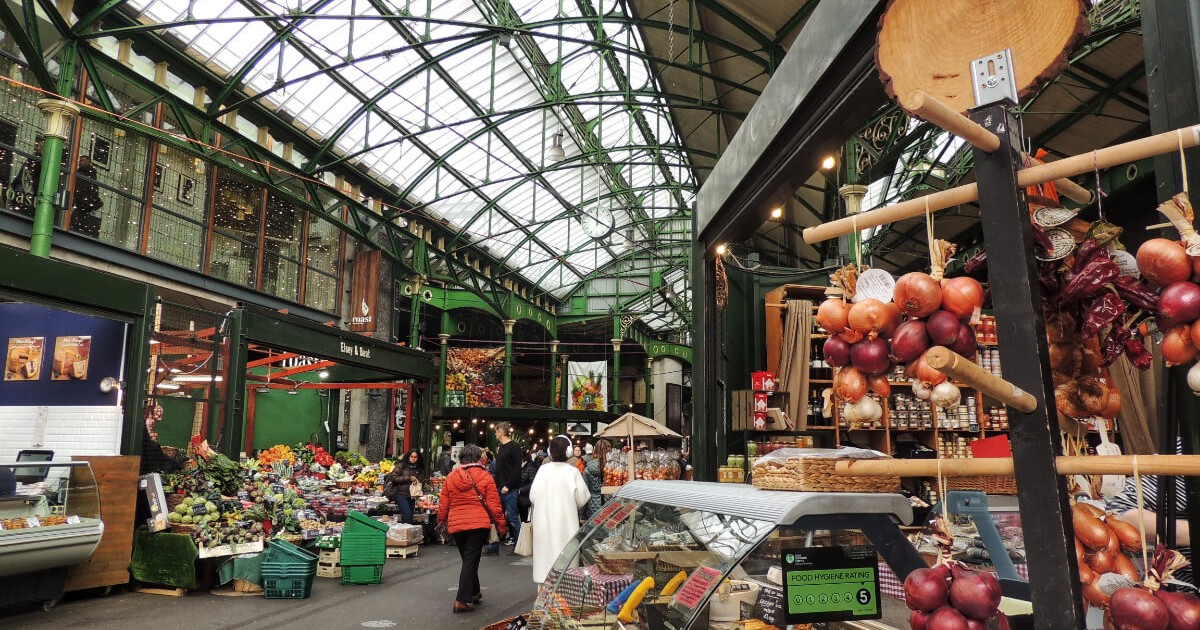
(288, 587)
(283, 560)
(362, 574)
(283, 551)
(358, 523)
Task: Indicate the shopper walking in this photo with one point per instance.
(409, 471)
(488, 461)
(528, 472)
(445, 461)
(557, 493)
(469, 506)
(594, 475)
(509, 457)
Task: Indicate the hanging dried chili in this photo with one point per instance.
(1088, 251)
(1090, 280)
(1137, 293)
(1137, 353)
(1103, 311)
(1114, 343)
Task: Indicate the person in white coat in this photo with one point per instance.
(557, 493)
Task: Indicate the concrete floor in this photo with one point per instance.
(416, 593)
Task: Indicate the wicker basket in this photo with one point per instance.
(173, 501)
(499, 625)
(815, 474)
(611, 566)
(182, 528)
(989, 484)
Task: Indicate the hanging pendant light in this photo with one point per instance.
(555, 153)
(577, 429)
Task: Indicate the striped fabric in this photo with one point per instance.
(1127, 500)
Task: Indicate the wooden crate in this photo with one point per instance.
(117, 479)
(403, 552)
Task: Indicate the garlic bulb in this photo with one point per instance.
(945, 395)
(921, 390)
(867, 409)
(1193, 378)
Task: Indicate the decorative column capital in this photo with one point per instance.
(564, 357)
(554, 345)
(444, 337)
(649, 362)
(616, 343)
(58, 114)
(508, 326)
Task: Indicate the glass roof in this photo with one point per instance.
(460, 115)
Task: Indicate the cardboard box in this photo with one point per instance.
(778, 420)
(760, 402)
(762, 381)
(760, 420)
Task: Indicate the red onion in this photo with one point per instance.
(870, 356)
(1183, 609)
(837, 352)
(975, 594)
(909, 341)
(946, 618)
(1137, 609)
(962, 296)
(1162, 262)
(1180, 302)
(975, 624)
(926, 589)
(943, 328)
(832, 314)
(917, 294)
(965, 344)
(918, 620)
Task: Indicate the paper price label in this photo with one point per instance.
(875, 284)
(1126, 262)
(73, 520)
(1053, 216)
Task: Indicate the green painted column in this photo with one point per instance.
(616, 377)
(554, 374)
(442, 371)
(58, 114)
(508, 332)
(650, 387)
(414, 323)
(566, 381)
(853, 195)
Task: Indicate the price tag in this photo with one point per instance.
(73, 520)
(696, 587)
(1126, 261)
(32, 521)
(824, 584)
(875, 284)
(1053, 216)
(1061, 242)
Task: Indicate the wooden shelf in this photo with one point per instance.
(821, 381)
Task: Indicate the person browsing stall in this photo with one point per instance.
(557, 494)
(409, 471)
(509, 457)
(469, 506)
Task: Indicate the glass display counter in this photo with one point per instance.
(717, 556)
(51, 519)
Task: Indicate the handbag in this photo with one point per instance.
(494, 534)
(524, 546)
(389, 489)
(415, 489)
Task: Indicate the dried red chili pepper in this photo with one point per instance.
(1103, 311)
(1090, 280)
(1114, 344)
(976, 265)
(1088, 251)
(1041, 240)
(1137, 353)
(1137, 293)
(1049, 280)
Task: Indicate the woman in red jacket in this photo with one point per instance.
(469, 506)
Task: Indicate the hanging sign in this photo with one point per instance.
(825, 584)
(364, 290)
(875, 284)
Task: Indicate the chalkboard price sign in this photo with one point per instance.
(824, 584)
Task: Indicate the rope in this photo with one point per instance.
(1182, 161)
(1141, 500)
(1099, 188)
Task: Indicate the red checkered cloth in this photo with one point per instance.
(891, 585)
(587, 587)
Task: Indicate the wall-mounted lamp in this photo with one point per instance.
(828, 163)
(108, 384)
(777, 213)
(721, 249)
(323, 374)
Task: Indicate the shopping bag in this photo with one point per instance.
(493, 536)
(524, 546)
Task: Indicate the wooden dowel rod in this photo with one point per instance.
(931, 109)
(958, 368)
(1178, 465)
(1068, 167)
(1066, 187)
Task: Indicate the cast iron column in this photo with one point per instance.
(566, 381)
(414, 316)
(554, 374)
(508, 328)
(59, 114)
(650, 387)
(442, 371)
(615, 402)
(1012, 275)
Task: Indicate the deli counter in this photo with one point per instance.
(683, 554)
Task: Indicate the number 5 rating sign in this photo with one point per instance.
(831, 584)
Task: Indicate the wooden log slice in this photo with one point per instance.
(929, 44)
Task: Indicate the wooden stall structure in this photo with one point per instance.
(117, 481)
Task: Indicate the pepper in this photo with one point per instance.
(1114, 344)
(976, 265)
(1088, 251)
(1102, 312)
(1049, 279)
(1041, 240)
(1137, 353)
(1137, 293)
(1090, 280)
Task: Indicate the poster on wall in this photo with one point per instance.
(24, 358)
(71, 355)
(475, 376)
(589, 385)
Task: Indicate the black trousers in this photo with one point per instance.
(470, 546)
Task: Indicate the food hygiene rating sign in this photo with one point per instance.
(831, 584)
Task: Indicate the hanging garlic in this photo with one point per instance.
(867, 409)
(921, 390)
(1193, 378)
(945, 395)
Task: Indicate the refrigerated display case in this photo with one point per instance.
(50, 522)
(721, 555)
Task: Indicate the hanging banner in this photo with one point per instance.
(475, 377)
(364, 289)
(589, 385)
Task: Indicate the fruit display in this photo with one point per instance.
(200, 510)
(279, 452)
(587, 392)
(227, 532)
(476, 372)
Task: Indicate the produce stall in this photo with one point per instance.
(659, 464)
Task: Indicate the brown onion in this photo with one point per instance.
(975, 594)
(962, 296)
(1180, 302)
(1102, 560)
(871, 356)
(917, 294)
(850, 384)
(1086, 574)
(925, 589)
(1196, 333)
(1088, 509)
(1131, 539)
(850, 336)
(1162, 262)
(1124, 566)
(894, 318)
(1183, 609)
(869, 316)
(1095, 596)
(879, 385)
(1080, 551)
(832, 315)
(946, 618)
(1177, 346)
(836, 351)
(926, 374)
(1112, 408)
(1137, 609)
(1090, 530)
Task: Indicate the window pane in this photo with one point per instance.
(323, 242)
(110, 184)
(175, 239)
(321, 291)
(232, 260)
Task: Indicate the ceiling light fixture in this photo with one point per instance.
(777, 213)
(721, 249)
(828, 163)
(555, 153)
(294, 390)
(196, 378)
(577, 429)
(263, 389)
(168, 386)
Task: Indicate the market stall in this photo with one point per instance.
(660, 464)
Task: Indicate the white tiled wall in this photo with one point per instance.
(67, 430)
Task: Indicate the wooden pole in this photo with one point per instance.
(961, 369)
(925, 106)
(1065, 465)
(1152, 146)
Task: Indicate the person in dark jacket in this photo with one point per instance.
(469, 506)
(402, 476)
(85, 216)
(528, 472)
(508, 477)
(445, 461)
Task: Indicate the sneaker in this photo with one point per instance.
(491, 552)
